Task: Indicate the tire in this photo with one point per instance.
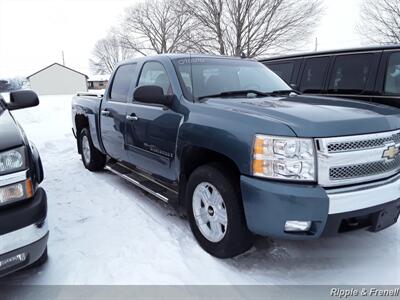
(92, 158)
(230, 235)
(41, 261)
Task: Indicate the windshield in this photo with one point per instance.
(202, 77)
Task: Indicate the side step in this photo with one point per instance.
(150, 186)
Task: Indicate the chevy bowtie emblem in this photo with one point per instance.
(391, 152)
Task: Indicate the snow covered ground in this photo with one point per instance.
(105, 231)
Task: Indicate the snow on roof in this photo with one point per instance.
(99, 77)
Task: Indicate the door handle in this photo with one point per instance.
(105, 113)
(132, 118)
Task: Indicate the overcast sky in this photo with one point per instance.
(33, 33)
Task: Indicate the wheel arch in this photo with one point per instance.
(195, 156)
(81, 122)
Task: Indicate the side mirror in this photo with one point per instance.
(22, 99)
(152, 94)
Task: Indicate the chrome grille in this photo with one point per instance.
(363, 170)
(362, 144)
(356, 159)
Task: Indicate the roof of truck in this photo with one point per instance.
(181, 55)
(337, 51)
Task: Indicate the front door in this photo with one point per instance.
(113, 111)
(152, 129)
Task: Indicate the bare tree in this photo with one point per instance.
(209, 31)
(253, 27)
(107, 53)
(380, 21)
(156, 26)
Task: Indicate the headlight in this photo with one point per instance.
(16, 191)
(284, 158)
(12, 161)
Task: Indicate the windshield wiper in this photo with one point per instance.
(282, 92)
(235, 93)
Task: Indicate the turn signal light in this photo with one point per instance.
(16, 191)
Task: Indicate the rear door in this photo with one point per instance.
(152, 129)
(113, 111)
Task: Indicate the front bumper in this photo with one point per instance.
(23, 231)
(269, 204)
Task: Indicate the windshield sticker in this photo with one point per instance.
(194, 60)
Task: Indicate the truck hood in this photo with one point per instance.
(310, 116)
(10, 134)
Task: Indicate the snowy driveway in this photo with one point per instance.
(105, 231)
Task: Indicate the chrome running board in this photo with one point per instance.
(139, 181)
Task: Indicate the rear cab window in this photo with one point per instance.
(392, 78)
(350, 74)
(313, 76)
(122, 81)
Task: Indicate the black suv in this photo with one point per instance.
(23, 204)
(369, 74)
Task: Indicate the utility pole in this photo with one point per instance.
(63, 58)
(316, 44)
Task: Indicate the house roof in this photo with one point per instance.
(60, 66)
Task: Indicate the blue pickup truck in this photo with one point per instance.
(229, 141)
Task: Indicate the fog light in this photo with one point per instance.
(13, 261)
(297, 226)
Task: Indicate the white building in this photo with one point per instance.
(57, 79)
(98, 82)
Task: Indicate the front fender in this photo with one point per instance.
(235, 147)
(36, 164)
(229, 133)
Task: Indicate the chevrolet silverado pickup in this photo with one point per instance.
(23, 204)
(229, 141)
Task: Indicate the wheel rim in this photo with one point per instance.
(209, 212)
(86, 149)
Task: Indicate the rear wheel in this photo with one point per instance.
(92, 158)
(215, 212)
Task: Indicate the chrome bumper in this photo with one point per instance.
(22, 237)
(363, 196)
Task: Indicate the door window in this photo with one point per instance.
(350, 74)
(392, 82)
(122, 81)
(283, 70)
(312, 80)
(153, 73)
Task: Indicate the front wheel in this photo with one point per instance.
(92, 158)
(215, 212)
